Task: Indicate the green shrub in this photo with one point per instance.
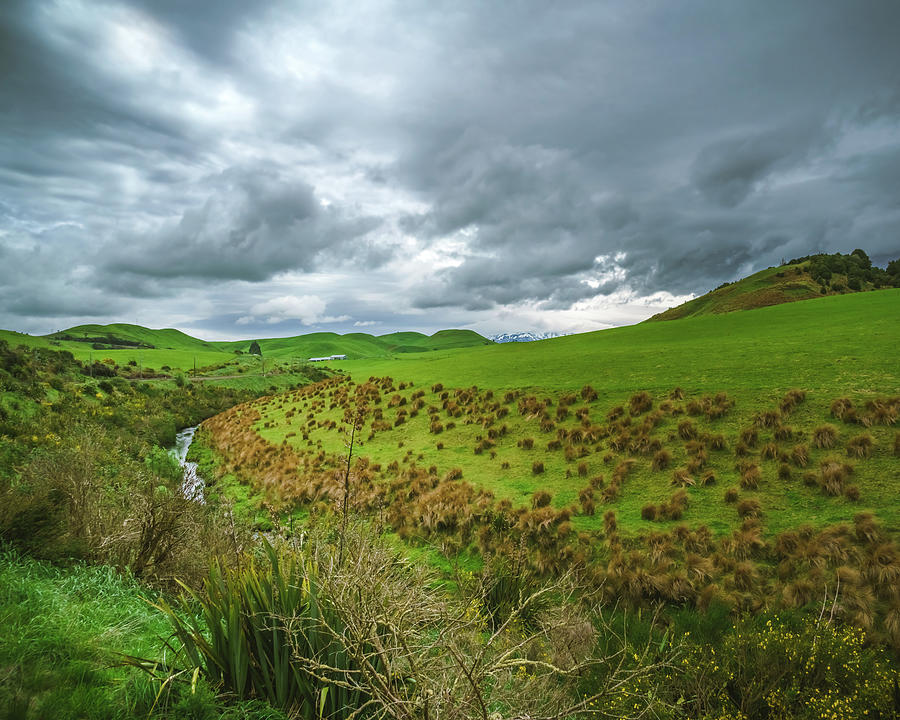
(786, 667)
(265, 631)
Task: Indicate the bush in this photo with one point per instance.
(788, 667)
(261, 633)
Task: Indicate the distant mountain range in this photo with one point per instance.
(524, 336)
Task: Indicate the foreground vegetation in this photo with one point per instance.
(633, 523)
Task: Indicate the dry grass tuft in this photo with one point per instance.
(824, 437)
(661, 460)
(861, 446)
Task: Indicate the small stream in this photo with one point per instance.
(193, 484)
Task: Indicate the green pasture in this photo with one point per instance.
(830, 347)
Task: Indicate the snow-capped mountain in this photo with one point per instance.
(524, 336)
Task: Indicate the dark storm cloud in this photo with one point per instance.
(538, 153)
(252, 225)
(727, 171)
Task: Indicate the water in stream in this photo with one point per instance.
(193, 483)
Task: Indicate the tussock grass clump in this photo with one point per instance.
(708, 478)
(682, 477)
(676, 394)
(749, 508)
(791, 400)
(649, 512)
(717, 442)
(833, 474)
(526, 443)
(784, 471)
(588, 394)
(540, 498)
(841, 408)
(537, 467)
(769, 451)
(453, 474)
(661, 460)
(860, 446)
(687, 430)
(640, 403)
(750, 477)
(851, 492)
(897, 445)
(824, 437)
(767, 419)
(731, 495)
(800, 456)
(784, 432)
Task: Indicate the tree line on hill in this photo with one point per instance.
(856, 267)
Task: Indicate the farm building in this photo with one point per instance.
(330, 357)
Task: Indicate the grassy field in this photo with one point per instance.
(841, 346)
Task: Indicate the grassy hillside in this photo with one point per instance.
(359, 345)
(802, 279)
(734, 440)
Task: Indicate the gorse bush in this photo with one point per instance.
(788, 668)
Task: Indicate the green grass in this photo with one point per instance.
(829, 347)
(772, 286)
(179, 351)
(61, 632)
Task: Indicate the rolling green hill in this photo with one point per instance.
(124, 343)
(718, 401)
(359, 345)
(801, 279)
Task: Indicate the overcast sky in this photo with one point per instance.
(247, 169)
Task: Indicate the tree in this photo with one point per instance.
(255, 349)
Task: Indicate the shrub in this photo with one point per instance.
(824, 437)
(260, 634)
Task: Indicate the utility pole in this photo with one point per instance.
(91, 361)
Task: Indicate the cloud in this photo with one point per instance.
(414, 166)
(253, 224)
(308, 309)
(727, 171)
